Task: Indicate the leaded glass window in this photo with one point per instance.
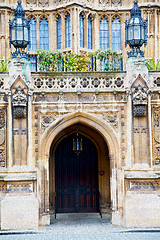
(59, 33)
(89, 32)
(44, 34)
(81, 30)
(116, 34)
(33, 35)
(67, 31)
(104, 34)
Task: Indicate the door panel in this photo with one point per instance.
(76, 177)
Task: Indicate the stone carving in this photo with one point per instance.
(2, 138)
(139, 102)
(139, 110)
(43, 2)
(79, 83)
(19, 102)
(156, 122)
(47, 120)
(144, 185)
(1, 83)
(103, 1)
(116, 2)
(20, 187)
(140, 130)
(3, 187)
(156, 135)
(31, 2)
(2, 119)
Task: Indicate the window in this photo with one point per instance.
(33, 62)
(44, 34)
(59, 33)
(116, 34)
(104, 34)
(89, 33)
(67, 31)
(81, 30)
(33, 35)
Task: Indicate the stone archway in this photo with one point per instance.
(101, 127)
(88, 184)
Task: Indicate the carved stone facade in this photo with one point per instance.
(38, 114)
(39, 9)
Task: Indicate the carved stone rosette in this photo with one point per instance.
(139, 102)
(19, 102)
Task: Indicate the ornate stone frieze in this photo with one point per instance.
(20, 187)
(79, 83)
(144, 185)
(140, 130)
(19, 102)
(139, 102)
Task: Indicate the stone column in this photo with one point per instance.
(129, 132)
(30, 162)
(155, 38)
(150, 128)
(9, 132)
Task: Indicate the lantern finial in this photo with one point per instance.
(19, 32)
(135, 31)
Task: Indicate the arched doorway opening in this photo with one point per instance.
(80, 182)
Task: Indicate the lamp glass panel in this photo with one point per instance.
(19, 21)
(25, 33)
(136, 20)
(13, 34)
(130, 33)
(137, 32)
(19, 33)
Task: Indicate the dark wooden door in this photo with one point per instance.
(76, 177)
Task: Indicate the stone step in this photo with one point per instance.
(83, 217)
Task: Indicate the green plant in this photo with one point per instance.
(4, 63)
(68, 61)
(110, 58)
(152, 65)
(76, 62)
(48, 60)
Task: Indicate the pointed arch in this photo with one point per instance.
(59, 32)
(90, 30)
(81, 29)
(116, 33)
(33, 34)
(104, 33)
(102, 127)
(44, 33)
(67, 30)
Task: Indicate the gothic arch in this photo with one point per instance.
(102, 127)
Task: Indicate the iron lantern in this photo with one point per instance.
(135, 31)
(19, 32)
(77, 144)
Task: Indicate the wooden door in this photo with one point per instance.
(76, 177)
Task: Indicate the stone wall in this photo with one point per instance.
(119, 111)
